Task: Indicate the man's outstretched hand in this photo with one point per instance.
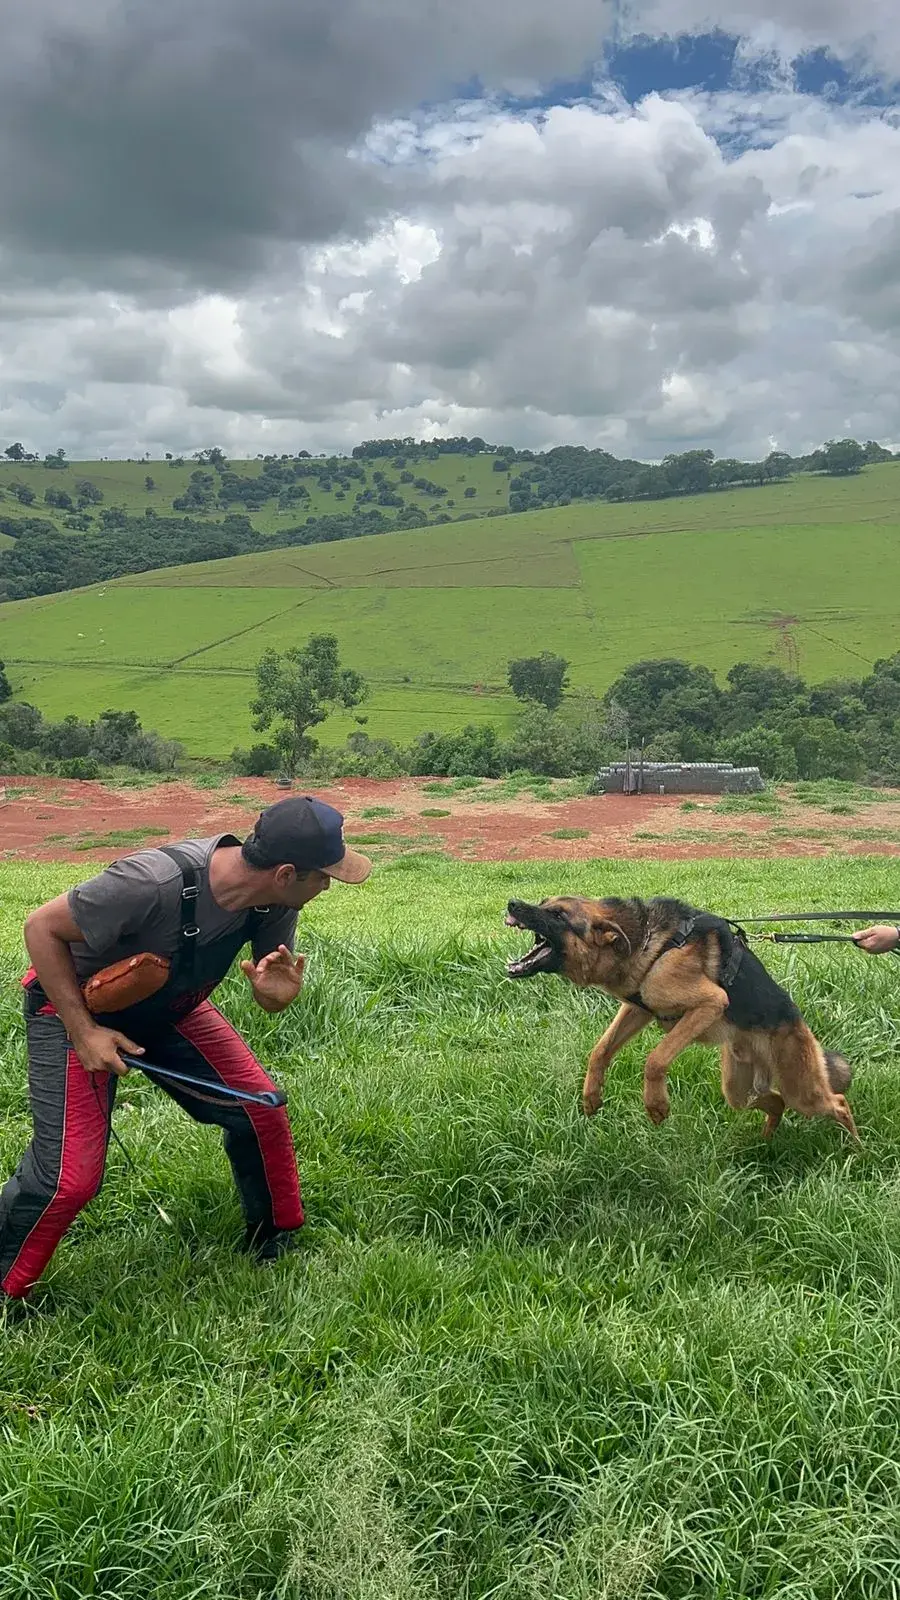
(276, 980)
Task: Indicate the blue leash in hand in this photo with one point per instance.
(271, 1098)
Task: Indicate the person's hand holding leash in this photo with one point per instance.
(878, 940)
(276, 980)
(98, 1050)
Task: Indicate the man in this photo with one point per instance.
(878, 940)
(194, 905)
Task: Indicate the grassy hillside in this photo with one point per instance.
(123, 484)
(805, 574)
(516, 1353)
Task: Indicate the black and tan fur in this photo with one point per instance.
(770, 1059)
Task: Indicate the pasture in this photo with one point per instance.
(123, 484)
(516, 1354)
(803, 574)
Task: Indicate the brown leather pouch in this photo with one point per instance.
(125, 983)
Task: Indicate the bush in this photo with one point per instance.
(541, 743)
(63, 741)
(364, 757)
(82, 767)
(760, 747)
(257, 762)
(474, 752)
(823, 750)
(20, 725)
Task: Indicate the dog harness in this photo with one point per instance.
(694, 928)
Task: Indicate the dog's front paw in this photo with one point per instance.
(591, 1101)
(656, 1102)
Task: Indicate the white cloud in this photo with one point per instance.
(716, 269)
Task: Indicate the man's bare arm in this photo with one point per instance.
(50, 931)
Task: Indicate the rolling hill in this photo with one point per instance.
(123, 485)
(804, 573)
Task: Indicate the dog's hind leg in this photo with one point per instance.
(746, 1085)
(805, 1080)
(773, 1105)
(626, 1024)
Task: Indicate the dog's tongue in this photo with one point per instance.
(510, 921)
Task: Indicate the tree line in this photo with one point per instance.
(44, 561)
(845, 728)
(763, 716)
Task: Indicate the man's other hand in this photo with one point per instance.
(276, 980)
(878, 940)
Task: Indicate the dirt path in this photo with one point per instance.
(49, 819)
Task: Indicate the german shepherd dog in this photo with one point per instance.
(693, 973)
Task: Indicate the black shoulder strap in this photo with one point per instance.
(190, 890)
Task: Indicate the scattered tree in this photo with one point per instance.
(59, 498)
(842, 457)
(15, 452)
(297, 690)
(5, 685)
(539, 678)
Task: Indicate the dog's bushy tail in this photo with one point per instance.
(840, 1072)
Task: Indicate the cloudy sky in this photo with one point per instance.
(285, 224)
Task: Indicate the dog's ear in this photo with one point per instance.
(611, 933)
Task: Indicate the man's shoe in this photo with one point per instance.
(14, 1311)
(264, 1244)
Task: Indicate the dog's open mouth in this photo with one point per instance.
(540, 958)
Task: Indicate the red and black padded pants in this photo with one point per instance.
(62, 1169)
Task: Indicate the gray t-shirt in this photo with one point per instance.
(135, 905)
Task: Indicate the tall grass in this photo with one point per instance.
(516, 1354)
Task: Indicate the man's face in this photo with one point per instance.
(296, 889)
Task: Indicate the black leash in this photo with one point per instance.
(829, 916)
(892, 917)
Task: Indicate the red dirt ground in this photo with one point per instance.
(50, 819)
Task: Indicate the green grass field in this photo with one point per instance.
(516, 1354)
(804, 574)
(123, 484)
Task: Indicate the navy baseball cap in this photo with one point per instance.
(308, 835)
